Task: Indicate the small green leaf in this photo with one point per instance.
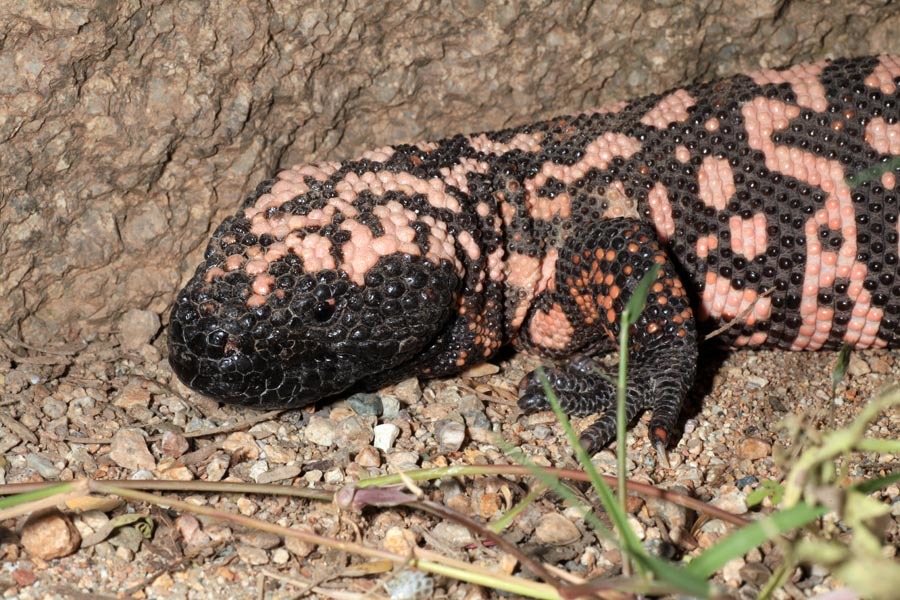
(767, 489)
(840, 369)
(639, 297)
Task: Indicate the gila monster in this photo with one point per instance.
(769, 200)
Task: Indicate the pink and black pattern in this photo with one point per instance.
(770, 201)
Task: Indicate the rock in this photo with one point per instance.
(368, 457)
(754, 449)
(279, 454)
(173, 444)
(366, 404)
(481, 370)
(353, 434)
(320, 431)
(385, 436)
(390, 406)
(403, 460)
(50, 535)
(731, 499)
(133, 396)
(298, 547)
(43, 465)
(407, 392)
(453, 534)
(556, 530)
(54, 408)
(399, 541)
(450, 435)
(259, 539)
(216, 467)
(251, 555)
(137, 327)
(129, 450)
(242, 446)
(858, 366)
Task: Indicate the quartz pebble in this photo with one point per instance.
(450, 435)
(320, 431)
(385, 436)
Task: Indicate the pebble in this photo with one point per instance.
(368, 457)
(279, 454)
(242, 446)
(216, 467)
(280, 473)
(353, 434)
(731, 572)
(556, 530)
(745, 481)
(280, 556)
(754, 449)
(450, 435)
(320, 431)
(173, 444)
(334, 476)
(298, 547)
(755, 381)
(54, 408)
(174, 471)
(399, 541)
(366, 404)
(403, 460)
(858, 366)
(407, 391)
(258, 470)
(259, 539)
(129, 450)
(43, 465)
(137, 327)
(390, 406)
(385, 436)
(481, 370)
(453, 534)
(48, 535)
(251, 555)
(191, 531)
(133, 396)
(246, 506)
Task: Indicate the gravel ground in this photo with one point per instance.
(112, 410)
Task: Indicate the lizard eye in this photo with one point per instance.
(323, 311)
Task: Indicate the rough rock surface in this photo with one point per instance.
(129, 129)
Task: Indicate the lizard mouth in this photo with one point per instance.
(248, 379)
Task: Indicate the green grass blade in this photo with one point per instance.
(35, 495)
(745, 539)
(873, 485)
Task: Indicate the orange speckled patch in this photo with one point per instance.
(804, 81)
(551, 330)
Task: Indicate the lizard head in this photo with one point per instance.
(294, 304)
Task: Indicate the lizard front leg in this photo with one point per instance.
(596, 274)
